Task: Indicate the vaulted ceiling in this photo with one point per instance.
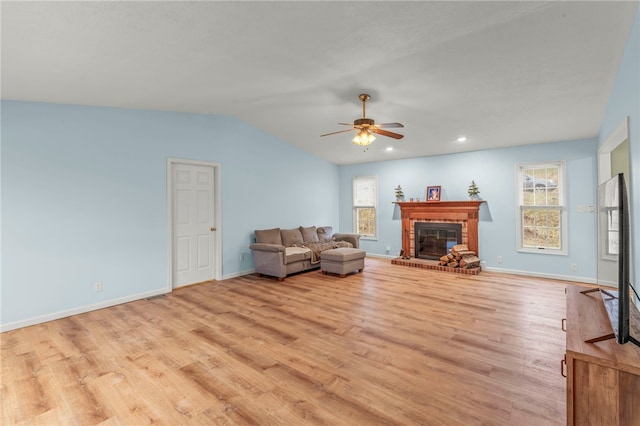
(500, 73)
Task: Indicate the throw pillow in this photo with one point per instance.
(310, 234)
(325, 233)
(291, 237)
(268, 236)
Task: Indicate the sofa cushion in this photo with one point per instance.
(291, 237)
(310, 234)
(325, 233)
(296, 254)
(268, 236)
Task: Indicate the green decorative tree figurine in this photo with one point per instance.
(399, 194)
(473, 191)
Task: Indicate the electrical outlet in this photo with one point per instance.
(499, 259)
(574, 267)
(98, 285)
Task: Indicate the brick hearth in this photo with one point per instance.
(433, 265)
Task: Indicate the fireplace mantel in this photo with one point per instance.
(456, 211)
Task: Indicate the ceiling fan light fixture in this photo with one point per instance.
(366, 126)
(363, 138)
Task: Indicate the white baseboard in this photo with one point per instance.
(516, 272)
(79, 310)
(239, 274)
(382, 256)
(541, 275)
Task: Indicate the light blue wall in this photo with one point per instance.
(84, 199)
(624, 101)
(494, 173)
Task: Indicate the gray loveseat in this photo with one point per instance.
(280, 252)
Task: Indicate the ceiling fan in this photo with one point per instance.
(366, 126)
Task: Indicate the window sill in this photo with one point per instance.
(543, 251)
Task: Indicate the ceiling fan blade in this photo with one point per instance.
(340, 131)
(346, 124)
(389, 125)
(386, 133)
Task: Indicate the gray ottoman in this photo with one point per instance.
(342, 260)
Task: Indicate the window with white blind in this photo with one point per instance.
(365, 196)
(542, 217)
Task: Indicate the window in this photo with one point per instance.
(613, 231)
(542, 217)
(365, 195)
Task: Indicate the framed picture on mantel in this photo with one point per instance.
(433, 193)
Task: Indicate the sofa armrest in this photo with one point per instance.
(267, 247)
(269, 259)
(354, 239)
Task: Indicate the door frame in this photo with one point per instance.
(217, 188)
(619, 135)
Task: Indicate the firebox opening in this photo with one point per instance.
(433, 240)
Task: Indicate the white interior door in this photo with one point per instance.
(193, 224)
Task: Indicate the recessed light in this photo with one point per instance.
(462, 139)
(389, 148)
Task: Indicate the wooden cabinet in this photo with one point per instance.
(603, 378)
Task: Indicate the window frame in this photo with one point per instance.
(561, 207)
(355, 180)
(612, 216)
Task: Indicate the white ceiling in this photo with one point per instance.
(501, 73)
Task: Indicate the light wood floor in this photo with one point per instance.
(393, 345)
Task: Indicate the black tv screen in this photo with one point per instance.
(614, 260)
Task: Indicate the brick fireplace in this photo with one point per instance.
(463, 212)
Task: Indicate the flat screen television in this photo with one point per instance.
(614, 262)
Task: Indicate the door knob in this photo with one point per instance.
(213, 228)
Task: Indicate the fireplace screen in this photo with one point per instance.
(433, 240)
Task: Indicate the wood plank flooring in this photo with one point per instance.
(393, 345)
